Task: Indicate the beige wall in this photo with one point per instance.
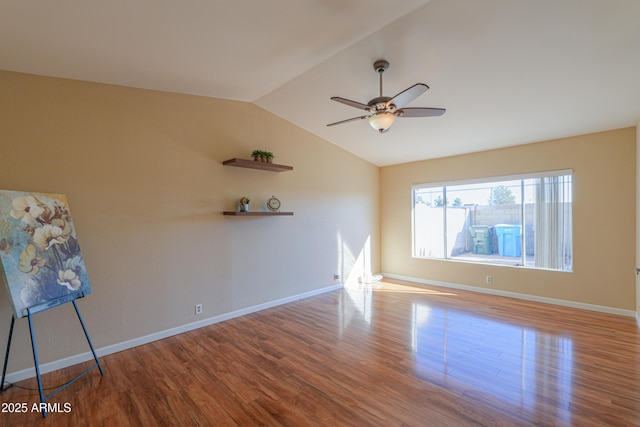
(638, 221)
(603, 218)
(143, 174)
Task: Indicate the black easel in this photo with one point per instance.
(37, 309)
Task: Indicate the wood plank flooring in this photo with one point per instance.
(390, 354)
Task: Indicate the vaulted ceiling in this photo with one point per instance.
(508, 72)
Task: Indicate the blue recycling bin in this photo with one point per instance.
(509, 239)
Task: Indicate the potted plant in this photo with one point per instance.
(244, 204)
(263, 156)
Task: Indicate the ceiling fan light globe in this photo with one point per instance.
(381, 121)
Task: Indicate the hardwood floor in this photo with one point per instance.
(388, 355)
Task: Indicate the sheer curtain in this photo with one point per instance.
(552, 222)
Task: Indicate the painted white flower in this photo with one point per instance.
(65, 226)
(26, 207)
(31, 294)
(47, 236)
(70, 279)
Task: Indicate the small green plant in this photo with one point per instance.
(262, 155)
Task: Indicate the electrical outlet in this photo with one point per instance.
(198, 308)
(489, 280)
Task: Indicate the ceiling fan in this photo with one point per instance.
(383, 111)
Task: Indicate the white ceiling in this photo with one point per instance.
(508, 71)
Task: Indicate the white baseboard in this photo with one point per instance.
(638, 319)
(565, 303)
(125, 345)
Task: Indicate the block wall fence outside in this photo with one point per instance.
(491, 215)
(507, 214)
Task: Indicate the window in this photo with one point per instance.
(520, 220)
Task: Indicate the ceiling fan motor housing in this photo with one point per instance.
(380, 103)
(381, 65)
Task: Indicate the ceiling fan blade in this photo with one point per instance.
(350, 103)
(347, 121)
(408, 95)
(421, 112)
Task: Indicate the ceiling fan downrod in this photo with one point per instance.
(381, 66)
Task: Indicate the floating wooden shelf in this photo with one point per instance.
(253, 164)
(234, 213)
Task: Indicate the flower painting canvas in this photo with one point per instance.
(41, 260)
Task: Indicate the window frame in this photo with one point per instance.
(488, 180)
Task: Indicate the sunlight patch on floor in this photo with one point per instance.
(383, 286)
